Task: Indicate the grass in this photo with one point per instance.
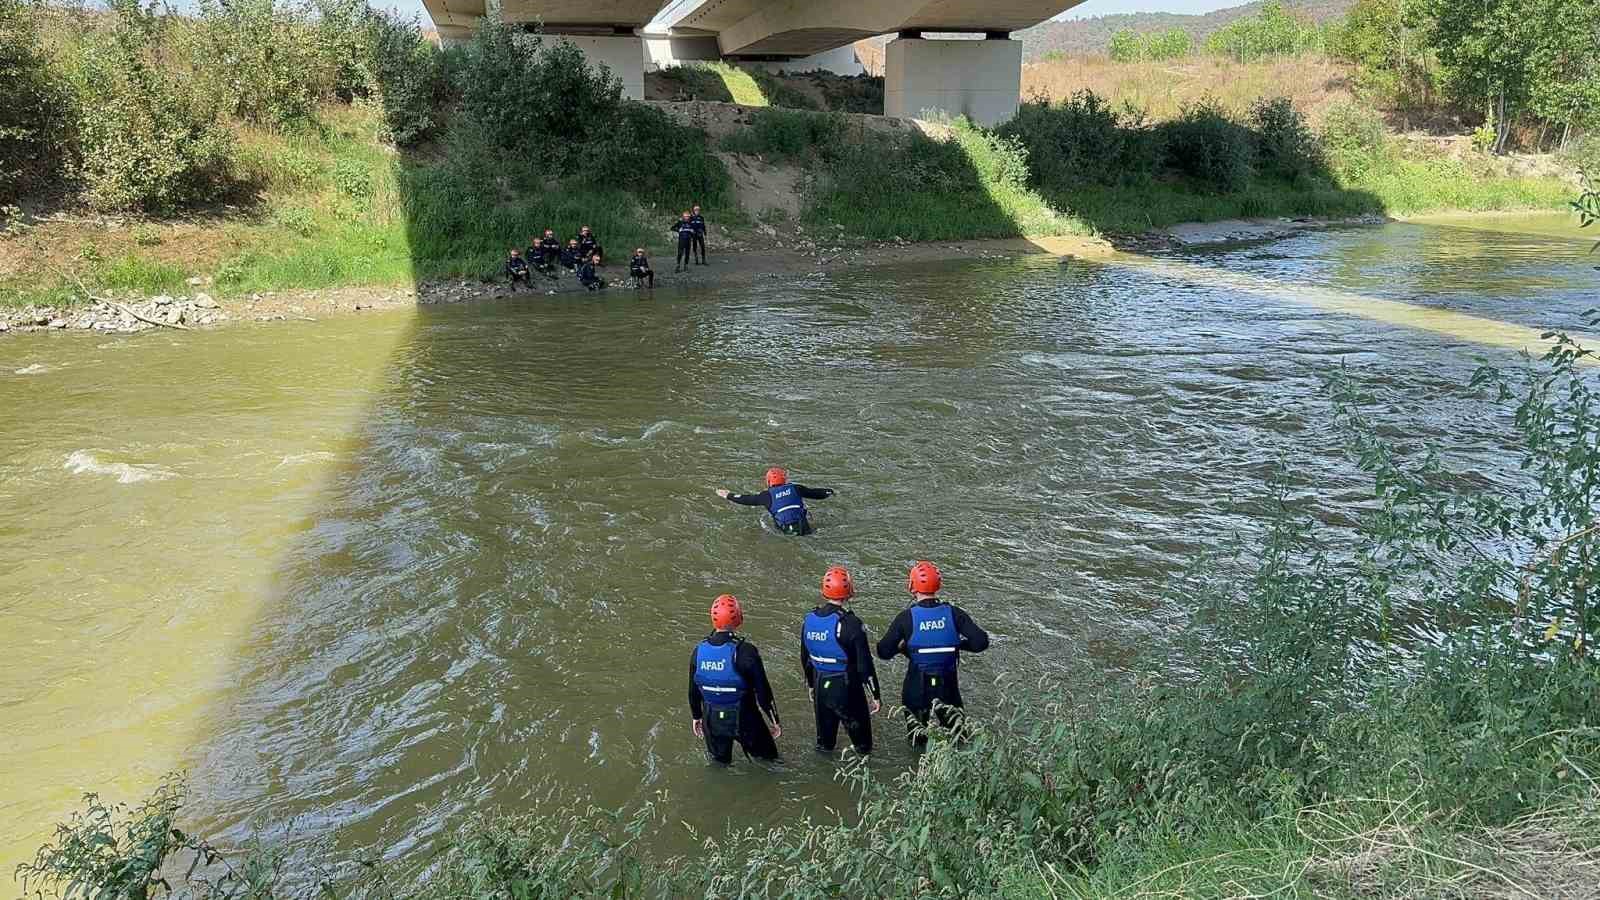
(729, 83)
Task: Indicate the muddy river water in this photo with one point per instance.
(365, 576)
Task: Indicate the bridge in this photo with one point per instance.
(979, 77)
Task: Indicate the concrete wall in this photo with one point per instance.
(981, 80)
(839, 61)
(662, 51)
(621, 53)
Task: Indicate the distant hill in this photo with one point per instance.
(1088, 37)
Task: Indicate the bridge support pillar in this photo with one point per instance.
(981, 80)
(623, 54)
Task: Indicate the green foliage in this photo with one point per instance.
(261, 61)
(150, 139)
(1285, 144)
(1208, 146)
(1082, 140)
(408, 76)
(524, 94)
(1354, 140)
(1271, 32)
(1393, 62)
(35, 113)
(1128, 45)
(786, 134)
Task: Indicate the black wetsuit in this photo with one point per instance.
(921, 688)
(588, 246)
(685, 232)
(570, 258)
(588, 278)
(549, 255)
(699, 239)
(745, 726)
(639, 268)
(517, 270)
(764, 500)
(843, 700)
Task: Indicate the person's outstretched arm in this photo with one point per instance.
(762, 499)
(811, 493)
(899, 632)
(973, 638)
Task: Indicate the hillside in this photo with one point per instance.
(1087, 37)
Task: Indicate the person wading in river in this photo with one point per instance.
(932, 634)
(782, 500)
(729, 692)
(836, 656)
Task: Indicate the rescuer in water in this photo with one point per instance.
(729, 692)
(932, 634)
(783, 500)
(837, 659)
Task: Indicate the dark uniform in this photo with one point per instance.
(784, 504)
(699, 239)
(588, 278)
(836, 657)
(728, 690)
(589, 245)
(517, 270)
(639, 268)
(685, 231)
(549, 254)
(932, 634)
(570, 258)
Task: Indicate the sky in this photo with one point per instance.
(1088, 9)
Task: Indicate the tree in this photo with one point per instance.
(1174, 43)
(1382, 38)
(34, 113)
(1126, 46)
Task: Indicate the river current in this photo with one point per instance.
(364, 577)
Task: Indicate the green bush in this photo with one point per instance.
(1270, 32)
(1285, 144)
(1174, 43)
(1206, 144)
(527, 94)
(1126, 46)
(661, 162)
(261, 59)
(150, 139)
(35, 114)
(408, 75)
(786, 134)
(1354, 140)
(1082, 140)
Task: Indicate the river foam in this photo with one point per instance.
(84, 462)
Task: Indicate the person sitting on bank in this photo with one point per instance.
(729, 691)
(639, 268)
(549, 253)
(782, 500)
(699, 240)
(517, 269)
(684, 228)
(571, 259)
(588, 244)
(588, 277)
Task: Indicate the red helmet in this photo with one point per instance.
(836, 584)
(924, 578)
(726, 613)
(776, 476)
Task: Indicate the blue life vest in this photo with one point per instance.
(822, 644)
(786, 507)
(934, 641)
(715, 675)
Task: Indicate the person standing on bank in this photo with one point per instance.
(836, 656)
(685, 231)
(698, 221)
(729, 691)
(932, 634)
(782, 500)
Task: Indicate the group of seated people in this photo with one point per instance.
(583, 256)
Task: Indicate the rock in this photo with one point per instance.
(174, 317)
(196, 281)
(204, 301)
(161, 300)
(58, 323)
(4, 325)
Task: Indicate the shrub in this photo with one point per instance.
(1285, 144)
(1353, 140)
(408, 76)
(1207, 145)
(661, 161)
(1174, 43)
(1082, 140)
(150, 139)
(1126, 46)
(1270, 32)
(262, 61)
(527, 94)
(786, 134)
(35, 112)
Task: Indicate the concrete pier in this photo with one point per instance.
(623, 54)
(981, 80)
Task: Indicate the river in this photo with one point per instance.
(365, 576)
